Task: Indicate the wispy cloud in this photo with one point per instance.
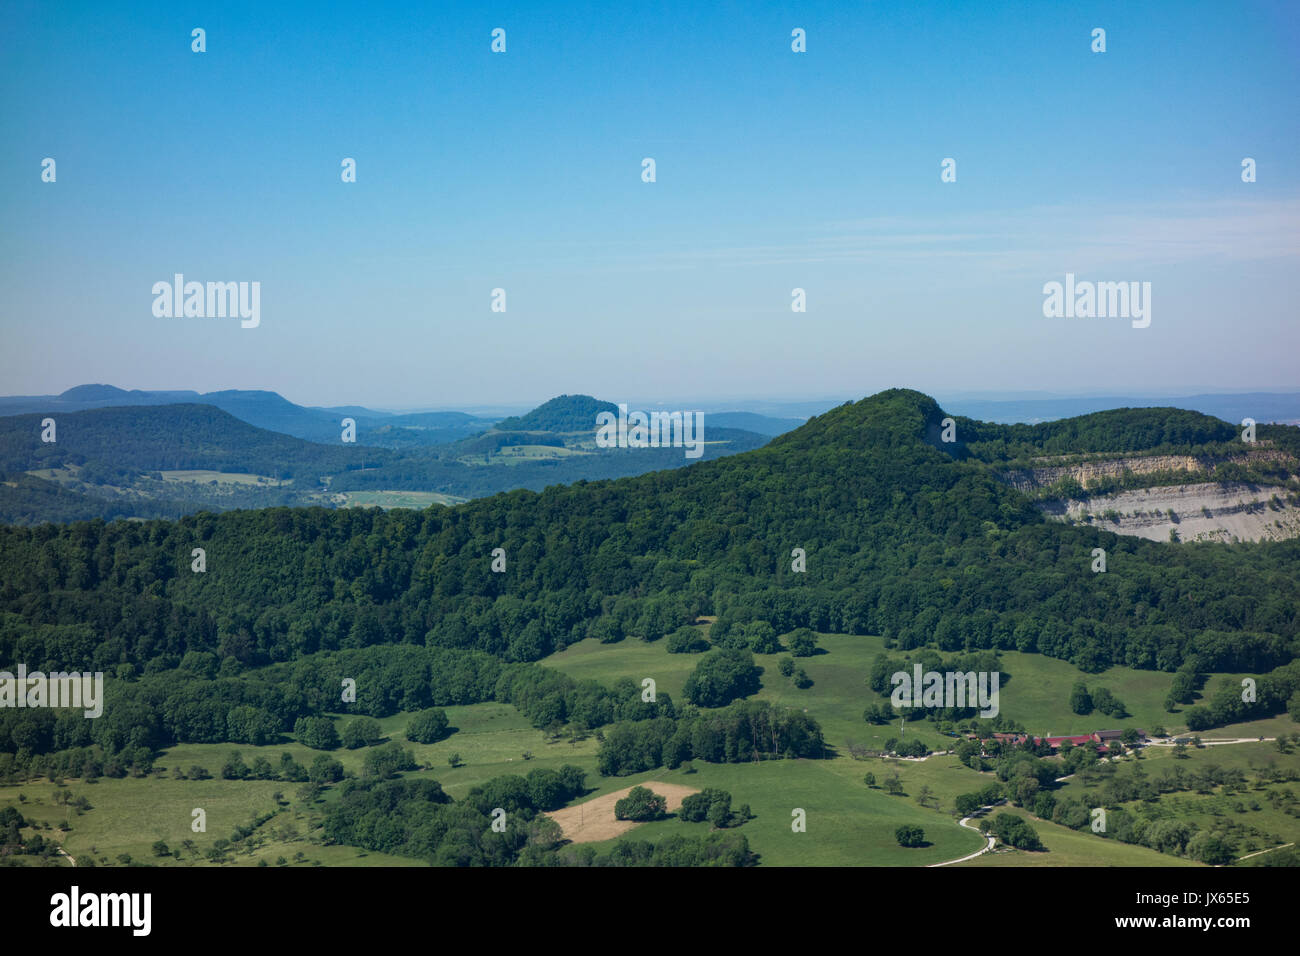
(1026, 241)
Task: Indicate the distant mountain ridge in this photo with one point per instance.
(174, 458)
(269, 410)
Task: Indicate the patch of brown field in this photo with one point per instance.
(594, 820)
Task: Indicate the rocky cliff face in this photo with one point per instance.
(1199, 509)
(1032, 479)
(1204, 511)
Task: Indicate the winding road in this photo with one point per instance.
(965, 822)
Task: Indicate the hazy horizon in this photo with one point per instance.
(740, 402)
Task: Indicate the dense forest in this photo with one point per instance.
(902, 538)
(1161, 431)
(167, 437)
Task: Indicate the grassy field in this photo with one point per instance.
(1040, 686)
(848, 823)
(397, 499)
(130, 814)
(837, 697)
(1034, 695)
(536, 452)
(221, 477)
(1066, 847)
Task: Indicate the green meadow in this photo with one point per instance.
(1066, 847)
(1035, 694)
(846, 822)
(397, 499)
(129, 815)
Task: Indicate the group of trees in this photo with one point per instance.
(1274, 691)
(884, 667)
(641, 805)
(497, 823)
(1028, 781)
(722, 676)
(713, 805)
(1178, 837)
(729, 634)
(744, 731)
(1013, 831)
(1083, 702)
(716, 848)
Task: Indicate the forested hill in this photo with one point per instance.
(166, 437)
(108, 462)
(266, 409)
(902, 538)
(1117, 431)
(566, 413)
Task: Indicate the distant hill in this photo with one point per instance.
(577, 413)
(567, 413)
(170, 459)
(271, 411)
(1283, 407)
(95, 393)
(172, 437)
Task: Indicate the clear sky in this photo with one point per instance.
(522, 171)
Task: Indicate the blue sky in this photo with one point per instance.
(775, 170)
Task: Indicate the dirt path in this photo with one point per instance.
(1269, 850)
(964, 823)
(594, 819)
(1216, 743)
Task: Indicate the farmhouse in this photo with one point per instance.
(1101, 739)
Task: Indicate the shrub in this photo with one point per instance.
(803, 642)
(361, 732)
(428, 726)
(318, 733)
(686, 640)
(641, 804)
(910, 836)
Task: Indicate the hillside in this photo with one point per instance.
(902, 539)
(168, 460)
(914, 548)
(166, 437)
(1279, 407)
(565, 413)
(268, 410)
